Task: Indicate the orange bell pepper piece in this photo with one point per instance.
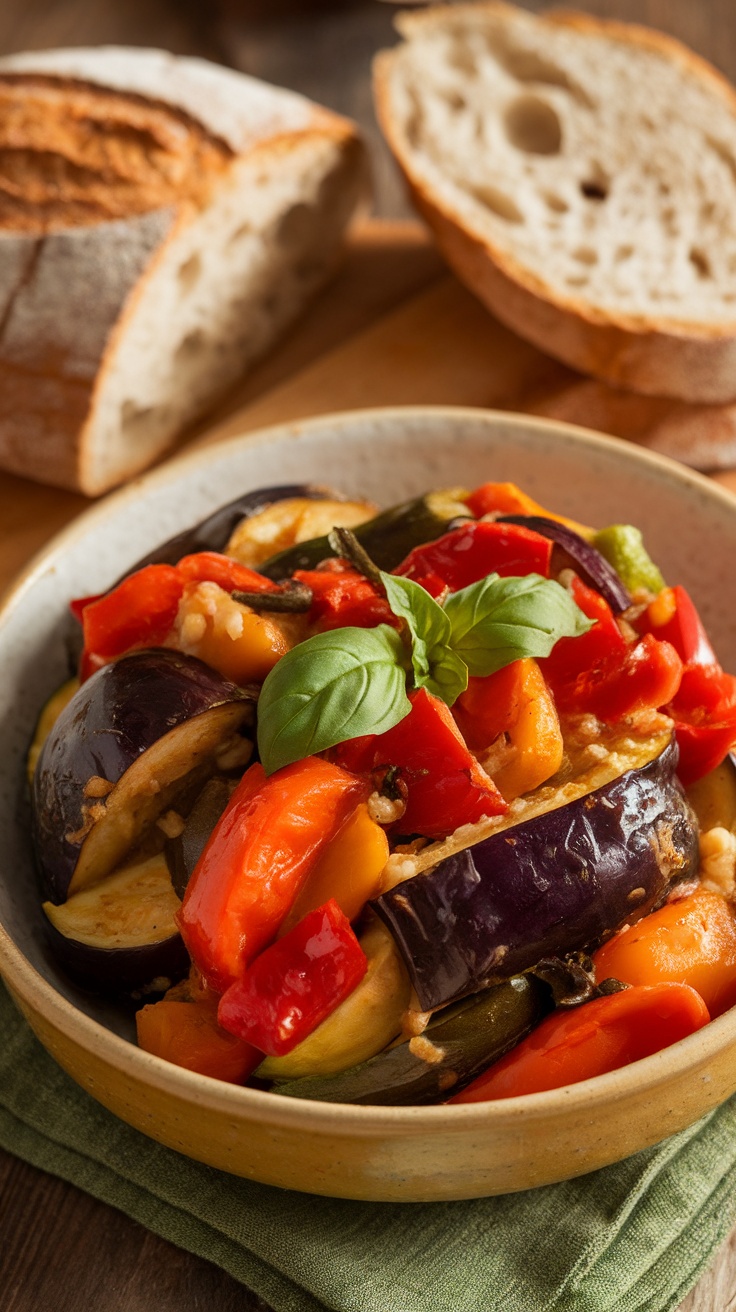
(187, 1034)
(691, 940)
(349, 870)
(508, 499)
(598, 1037)
(514, 701)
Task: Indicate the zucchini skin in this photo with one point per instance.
(556, 883)
(471, 1035)
(387, 538)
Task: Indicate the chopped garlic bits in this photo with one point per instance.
(718, 861)
(232, 638)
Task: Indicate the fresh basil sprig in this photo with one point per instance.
(497, 620)
(348, 682)
(330, 688)
(435, 664)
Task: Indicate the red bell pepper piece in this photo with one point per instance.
(140, 611)
(268, 840)
(704, 711)
(296, 983)
(598, 1037)
(78, 604)
(704, 705)
(212, 567)
(343, 598)
(672, 617)
(434, 585)
(470, 552)
(602, 674)
(446, 786)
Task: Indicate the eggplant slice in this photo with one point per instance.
(121, 935)
(183, 852)
(135, 735)
(550, 884)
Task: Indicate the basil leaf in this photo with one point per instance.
(330, 688)
(448, 674)
(435, 665)
(500, 620)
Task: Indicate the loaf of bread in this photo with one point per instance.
(161, 221)
(580, 178)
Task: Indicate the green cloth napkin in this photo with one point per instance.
(635, 1236)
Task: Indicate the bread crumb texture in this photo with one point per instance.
(602, 163)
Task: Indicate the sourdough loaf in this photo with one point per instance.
(161, 220)
(580, 178)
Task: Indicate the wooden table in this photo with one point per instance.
(366, 341)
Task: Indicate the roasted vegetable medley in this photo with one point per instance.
(432, 804)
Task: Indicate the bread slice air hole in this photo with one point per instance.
(296, 226)
(556, 203)
(724, 153)
(499, 202)
(455, 101)
(190, 347)
(136, 420)
(533, 126)
(189, 273)
(245, 230)
(524, 64)
(593, 189)
(700, 262)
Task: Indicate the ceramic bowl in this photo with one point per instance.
(413, 1153)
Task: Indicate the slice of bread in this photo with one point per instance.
(161, 221)
(580, 178)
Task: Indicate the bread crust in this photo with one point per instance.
(66, 297)
(654, 355)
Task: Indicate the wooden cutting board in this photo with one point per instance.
(394, 328)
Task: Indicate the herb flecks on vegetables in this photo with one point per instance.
(349, 682)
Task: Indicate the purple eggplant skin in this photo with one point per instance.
(592, 567)
(183, 853)
(121, 972)
(214, 532)
(553, 884)
(127, 725)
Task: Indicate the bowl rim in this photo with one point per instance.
(590, 1096)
